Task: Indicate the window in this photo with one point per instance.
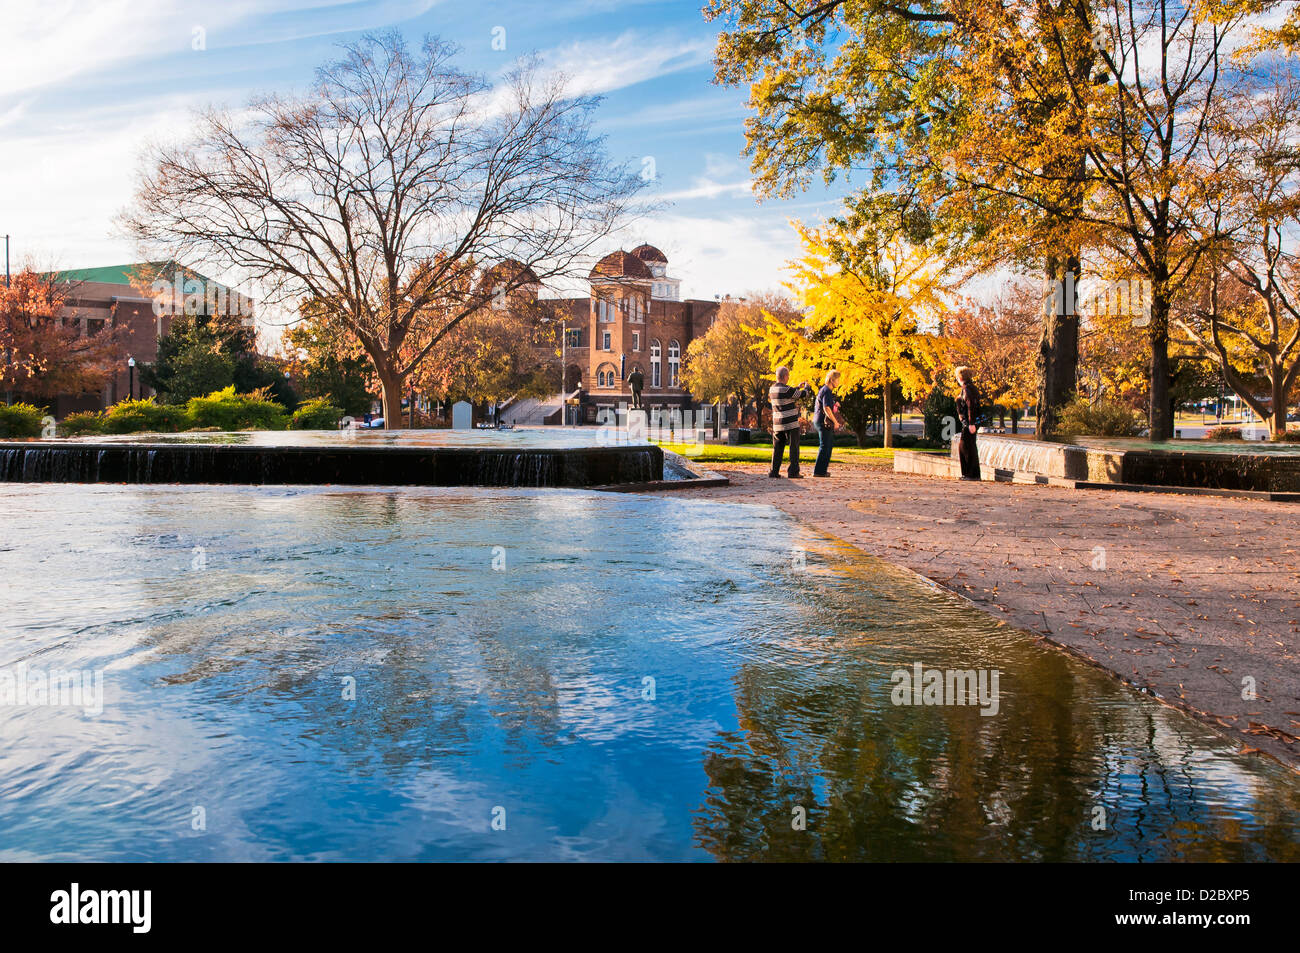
(674, 362)
(636, 340)
(654, 363)
(605, 376)
(573, 337)
(605, 342)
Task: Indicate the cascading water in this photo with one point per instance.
(341, 462)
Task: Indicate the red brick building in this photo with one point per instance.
(633, 319)
(124, 296)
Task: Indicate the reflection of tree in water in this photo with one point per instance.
(881, 782)
(436, 673)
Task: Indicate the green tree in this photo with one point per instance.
(200, 354)
(328, 363)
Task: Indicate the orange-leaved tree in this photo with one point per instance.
(41, 354)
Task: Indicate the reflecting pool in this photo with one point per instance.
(407, 674)
(521, 438)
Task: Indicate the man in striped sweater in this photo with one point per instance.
(785, 420)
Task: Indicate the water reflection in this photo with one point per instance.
(639, 678)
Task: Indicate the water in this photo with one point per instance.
(1194, 446)
(523, 438)
(1032, 456)
(423, 458)
(228, 621)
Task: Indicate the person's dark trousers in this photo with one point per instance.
(825, 441)
(969, 455)
(779, 440)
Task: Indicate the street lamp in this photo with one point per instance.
(130, 378)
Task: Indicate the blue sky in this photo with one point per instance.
(85, 83)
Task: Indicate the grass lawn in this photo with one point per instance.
(762, 453)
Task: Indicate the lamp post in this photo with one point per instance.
(564, 390)
(130, 378)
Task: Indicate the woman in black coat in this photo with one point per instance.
(968, 415)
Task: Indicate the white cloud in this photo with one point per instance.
(722, 254)
(50, 42)
(601, 66)
(705, 188)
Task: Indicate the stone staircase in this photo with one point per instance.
(530, 411)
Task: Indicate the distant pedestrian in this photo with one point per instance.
(826, 418)
(968, 415)
(785, 421)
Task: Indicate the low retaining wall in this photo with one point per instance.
(45, 462)
(1020, 458)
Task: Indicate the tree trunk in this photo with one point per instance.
(1277, 420)
(1058, 348)
(391, 386)
(1160, 416)
(888, 406)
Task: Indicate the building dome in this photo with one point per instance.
(648, 253)
(619, 264)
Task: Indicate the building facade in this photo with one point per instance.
(139, 300)
(633, 319)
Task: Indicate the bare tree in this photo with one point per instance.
(387, 191)
(1248, 315)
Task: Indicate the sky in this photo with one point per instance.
(85, 83)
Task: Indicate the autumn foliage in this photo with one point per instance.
(43, 354)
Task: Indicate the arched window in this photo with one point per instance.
(674, 362)
(654, 364)
(605, 376)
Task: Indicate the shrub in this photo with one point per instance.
(1223, 433)
(1105, 418)
(316, 414)
(938, 408)
(227, 410)
(20, 420)
(84, 422)
(1289, 436)
(134, 416)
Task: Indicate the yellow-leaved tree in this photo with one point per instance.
(870, 300)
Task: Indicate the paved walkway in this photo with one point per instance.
(1186, 596)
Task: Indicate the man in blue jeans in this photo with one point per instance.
(826, 419)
